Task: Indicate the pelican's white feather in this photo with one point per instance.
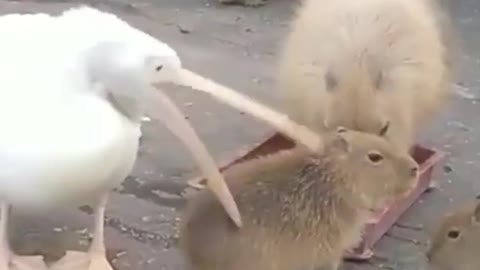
(73, 92)
(60, 141)
(72, 151)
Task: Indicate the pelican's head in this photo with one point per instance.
(131, 78)
(164, 67)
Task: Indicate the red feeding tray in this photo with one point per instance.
(426, 158)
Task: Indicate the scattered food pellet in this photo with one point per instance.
(146, 219)
(81, 231)
(121, 253)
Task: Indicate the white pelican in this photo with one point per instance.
(75, 87)
(70, 118)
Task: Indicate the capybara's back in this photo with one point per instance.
(379, 66)
(299, 209)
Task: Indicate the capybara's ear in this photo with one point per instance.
(341, 142)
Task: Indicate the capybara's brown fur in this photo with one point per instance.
(378, 66)
(300, 209)
(455, 244)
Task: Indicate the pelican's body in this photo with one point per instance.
(65, 154)
(75, 88)
(62, 140)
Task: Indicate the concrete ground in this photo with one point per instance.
(237, 46)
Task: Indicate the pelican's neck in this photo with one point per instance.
(115, 72)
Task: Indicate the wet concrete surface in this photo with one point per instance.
(237, 47)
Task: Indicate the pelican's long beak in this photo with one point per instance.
(281, 122)
(163, 108)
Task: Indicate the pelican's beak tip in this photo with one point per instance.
(238, 222)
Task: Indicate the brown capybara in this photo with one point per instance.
(455, 245)
(377, 66)
(300, 209)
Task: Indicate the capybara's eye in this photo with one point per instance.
(375, 157)
(330, 81)
(453, 234)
